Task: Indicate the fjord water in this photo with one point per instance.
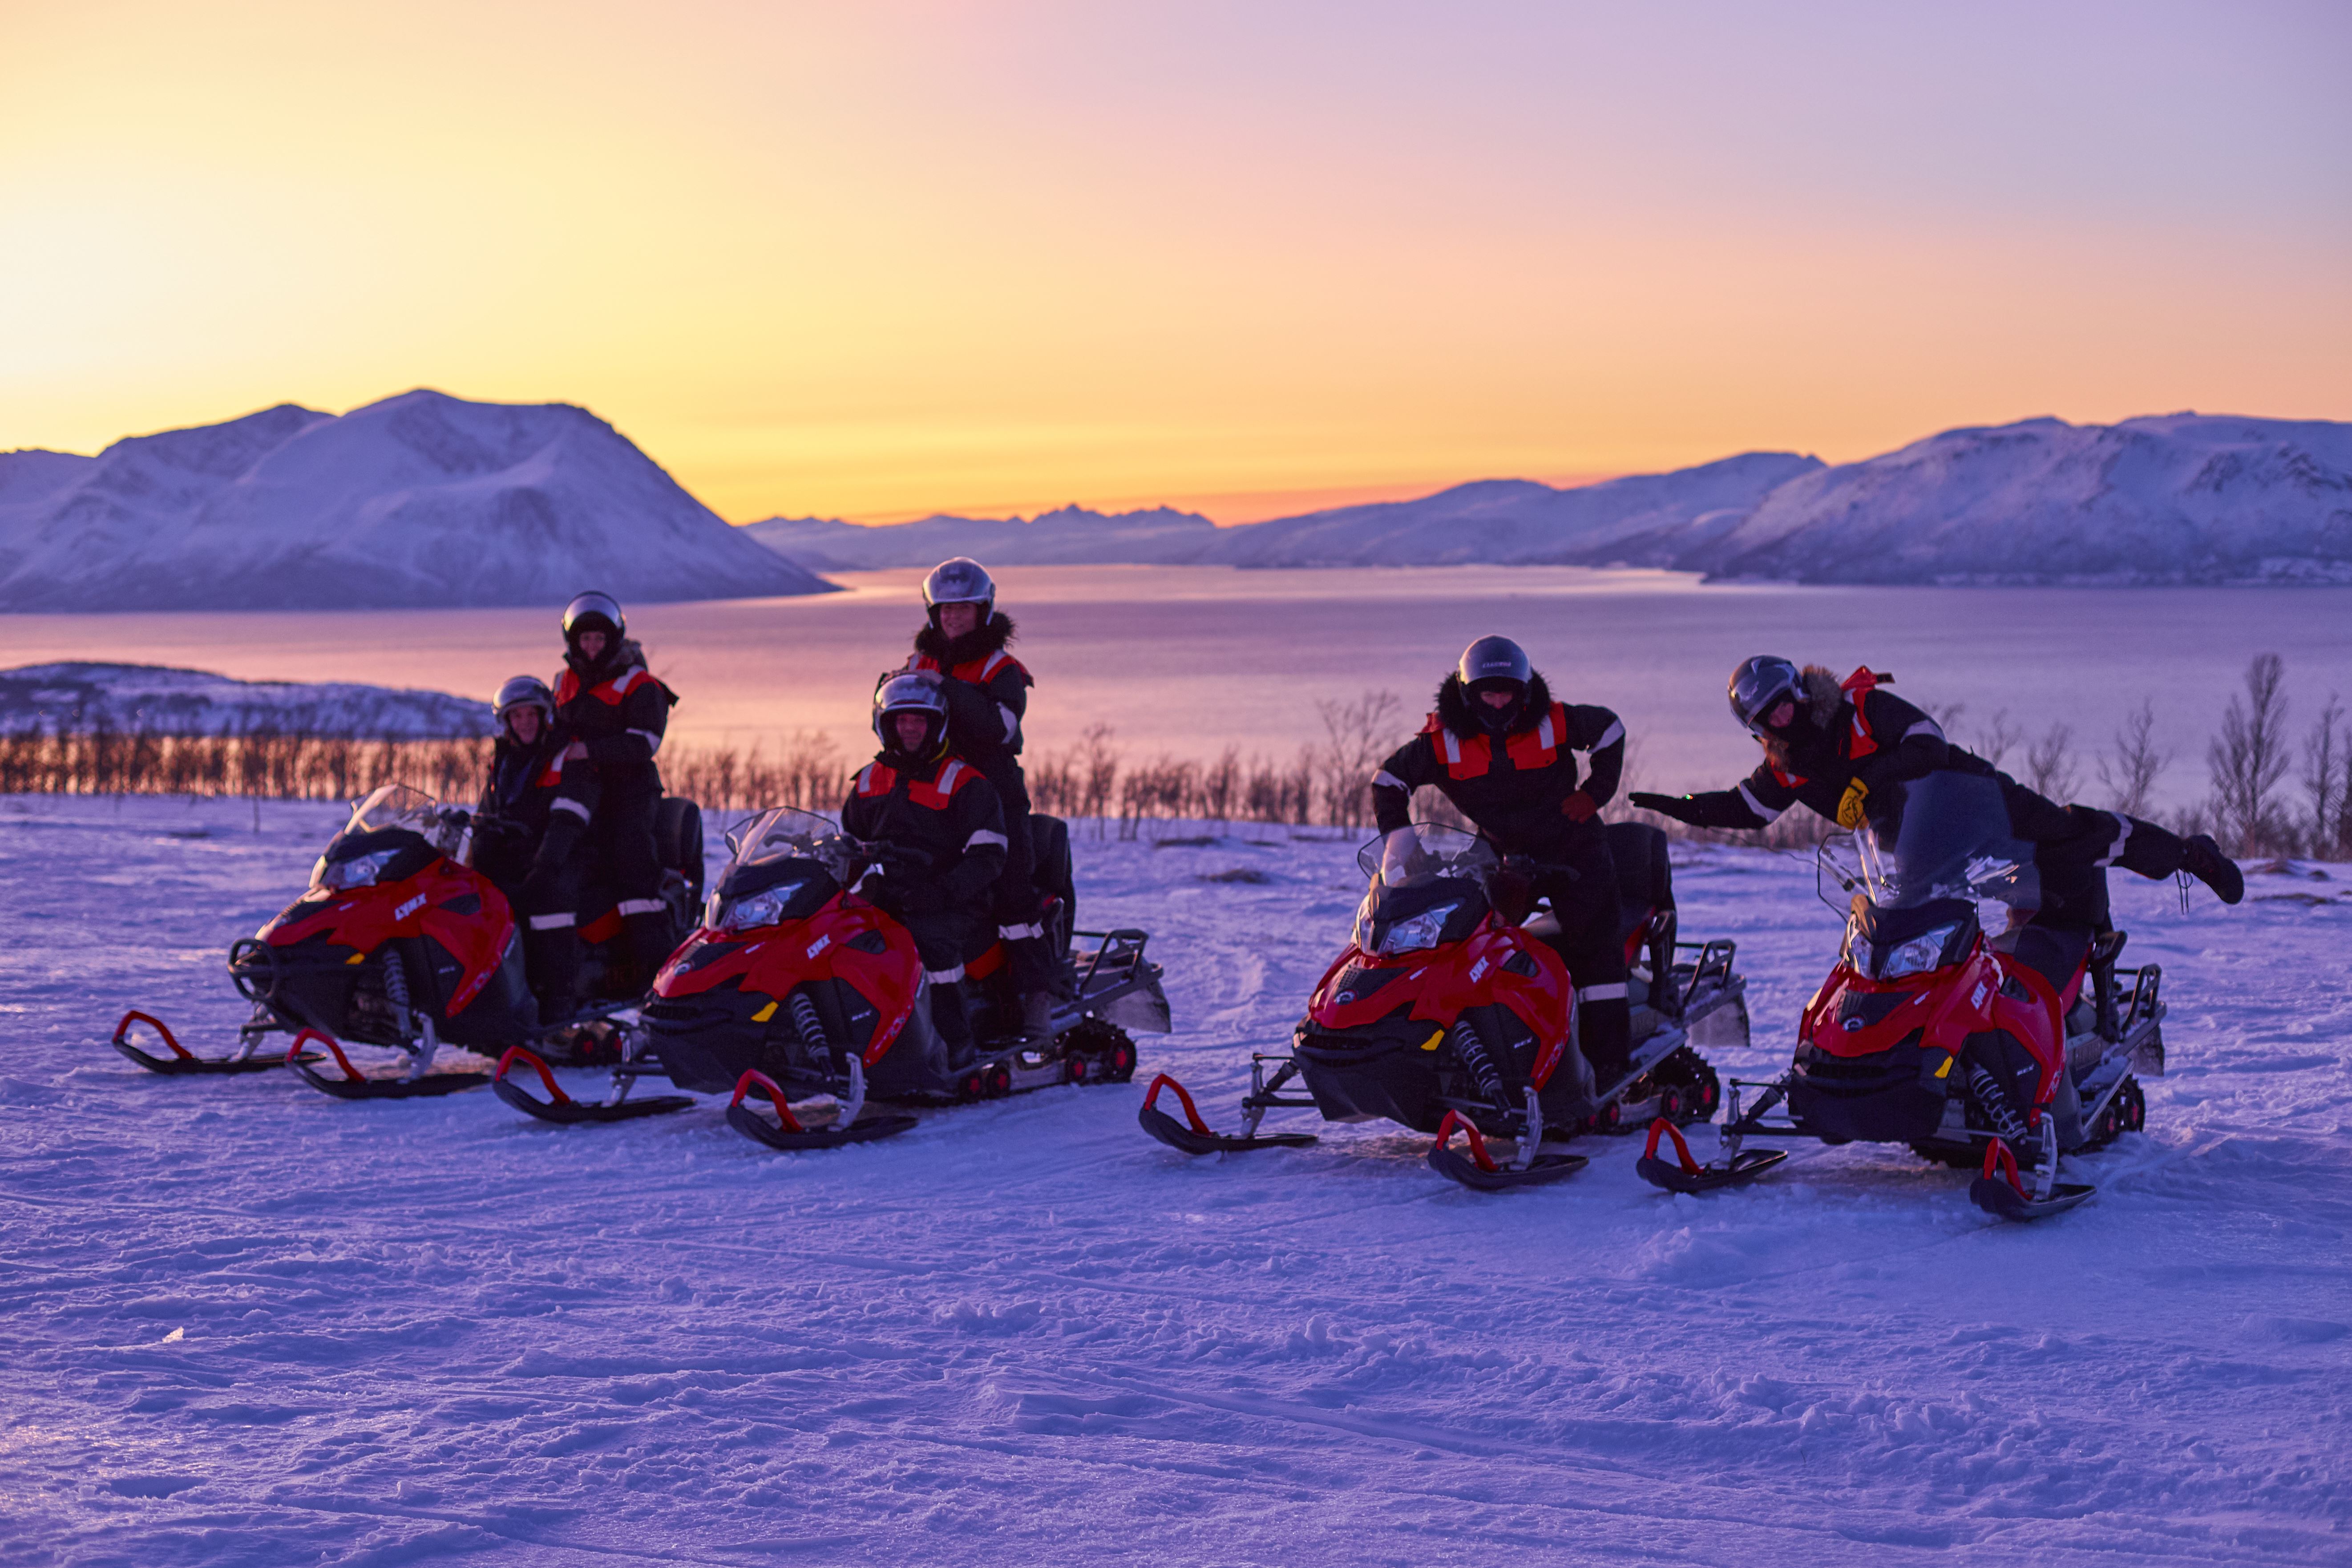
(1187, 660)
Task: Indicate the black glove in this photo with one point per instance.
(1674, 806)
(902, 897)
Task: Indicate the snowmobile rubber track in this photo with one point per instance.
(1193, 1135)
(787, 1132)
(561, 1109)
(1686, 1175)
(1998, 1192)
(184, 1062)
(356, 1085)
(1478, 1169)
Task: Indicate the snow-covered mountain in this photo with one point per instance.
(1070, 535)
(1518, 521)
(421, 499)
(2178, 498)
(160, 701)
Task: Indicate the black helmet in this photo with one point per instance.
(1757, 687)
(594, 612)
(524, 691)
(961, 581)
(1495, 664)
(910, 694)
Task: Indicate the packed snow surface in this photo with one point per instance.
(250, 1325)
(420, 500)
(157, 700)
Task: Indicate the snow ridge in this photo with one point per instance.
(420, 500)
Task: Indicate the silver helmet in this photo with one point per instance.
(961, 581)
(910, 694)
(523, 692)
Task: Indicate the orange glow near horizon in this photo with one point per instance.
(882, 262)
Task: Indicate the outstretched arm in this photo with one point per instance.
(1757, 800)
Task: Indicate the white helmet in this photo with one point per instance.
(961, 581)
(910, 694)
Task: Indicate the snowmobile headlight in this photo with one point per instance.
(765, 907)
(359, 871)
(1917, 956)
(1422, 930)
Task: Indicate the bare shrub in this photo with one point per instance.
(2327, 781)
(2050, 763)
(2129, 772)
(1356, 735)
(1995, 741)
(2247, 761)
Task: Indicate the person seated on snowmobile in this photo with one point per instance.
(1846, 749)
(987, 692)
(939, 830)
(1499, 747)
(526, 772)
(612, 712)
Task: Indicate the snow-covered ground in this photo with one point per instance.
(249, 1325)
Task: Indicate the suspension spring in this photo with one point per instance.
(395, 980)
(810, 1026)
(1995, 1102)
(1472, 1049)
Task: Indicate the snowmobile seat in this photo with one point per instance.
(2053, 952)
(1646, 879)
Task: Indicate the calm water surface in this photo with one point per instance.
(1189, 659)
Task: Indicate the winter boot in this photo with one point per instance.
(550, 957)
(646, 934)
(953, 1026)
(1036, 1020)
(1604, 1033)
(2205, 862)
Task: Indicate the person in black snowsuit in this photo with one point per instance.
(963, 644)
(1847, 749)
(610, 713)
(525, 772)
(941, 830)
(1499, 747)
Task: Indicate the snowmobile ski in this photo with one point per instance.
(786, 1132)
(564, 1110)
(1478, 1168)
(1686, 1175)
(418, 1084)
(184, 1062)
(2000, 1193)
(1193, 1135)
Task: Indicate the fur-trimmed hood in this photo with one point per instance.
(1453, 705)
(981, 641)
(618, 659)
(1824, 697)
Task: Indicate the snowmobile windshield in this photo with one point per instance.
(1952, 841)
(1425, 852)
(399, 806)
(784, 833)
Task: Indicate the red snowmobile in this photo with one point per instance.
(399, 943)
(1446, 1013)
(795, 987)
(1984, 1053)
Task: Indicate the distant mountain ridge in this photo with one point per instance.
(421, 500)
(2177, 497)
(160, 700)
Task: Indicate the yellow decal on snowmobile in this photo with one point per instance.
(765, 1013)
(1945, 1070)
(1431, 1043)
(356, 958)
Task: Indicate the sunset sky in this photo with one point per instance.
(877, 259)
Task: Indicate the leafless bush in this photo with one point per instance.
(1356, 735)
(2050, 762)
(2136, 762)
(2247, 761)
(1995, 741)
(2327, 781)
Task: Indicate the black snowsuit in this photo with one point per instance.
(511, 818)
(945, 830)
(1516, 787)
(987, 692)
(607, 804)
(1855, 733)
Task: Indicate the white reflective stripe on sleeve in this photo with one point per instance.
(1453, 746)
(2123, 837)
(1012, 721)
(573, 806)
(621, 687)
(944, 976)
(995, 662)
(1387, 780)
(1610, 736)
(553, 922)
(1020, 933)
(983, 835)
(1758, 806)
(946, 784)
(1544, 735)
(639, 907)
(652, 740)
(1924, 727)
(1602, 993)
